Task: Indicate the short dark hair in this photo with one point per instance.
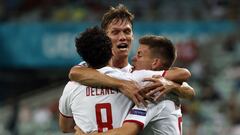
(160, 47)
(119, 12)
(94, 46)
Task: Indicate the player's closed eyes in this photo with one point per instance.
(115, 32)
(127, 31)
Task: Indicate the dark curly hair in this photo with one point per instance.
(95, 47)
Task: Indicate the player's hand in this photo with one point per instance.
(149, 90)
(158, 88)
(78, 131)
(131, 89)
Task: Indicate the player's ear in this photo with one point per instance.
(156, 64)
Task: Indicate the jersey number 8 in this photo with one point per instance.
(104, 124)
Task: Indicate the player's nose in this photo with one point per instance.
(122, 36)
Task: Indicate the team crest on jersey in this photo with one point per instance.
(138, 112)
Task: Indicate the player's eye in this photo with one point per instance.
(127, 31)
(115, 32)
(139, 54)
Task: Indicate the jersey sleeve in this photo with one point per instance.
(142, 116)
(65, 105)
(137, 115)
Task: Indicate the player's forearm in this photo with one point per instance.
(178, 75)
(126, 129)
(183, 91)
(66, 124)
(91, 77)
(186, 91)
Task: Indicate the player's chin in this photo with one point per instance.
(123, 53)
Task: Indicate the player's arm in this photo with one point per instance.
(165, 86)
(184, 90)
(177, 74)
(66, 124)
(65, 120)
(128, 128)
(91, 77)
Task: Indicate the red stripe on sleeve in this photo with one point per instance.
(164, 73)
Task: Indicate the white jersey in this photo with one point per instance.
(164, 118)
(127, 69)
(98, 109)
(95, 109)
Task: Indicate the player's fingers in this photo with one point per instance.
(159, 96)
(150, 79)
(153, 80)
(157, 76)
(145, 97)
(136, 101)
(77, 128)
(78, 131)
(151, 93)
(143, 94)
(141, 100)
(151, 87)
(154, 92)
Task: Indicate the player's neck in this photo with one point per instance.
(110, 64)
(119, 63)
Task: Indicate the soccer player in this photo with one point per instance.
(118, 24)
(82, 104)
(154, 52)
(102, 103)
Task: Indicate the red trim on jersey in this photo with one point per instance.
(164, 73)
(66, 115)
(137, 122)
(180, 124)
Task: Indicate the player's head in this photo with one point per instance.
(118, 23)
(95, 47)
(154, 53)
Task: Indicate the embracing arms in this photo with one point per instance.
(128, 128)
(91, 77)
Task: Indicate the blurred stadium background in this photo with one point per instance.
(37, 51)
